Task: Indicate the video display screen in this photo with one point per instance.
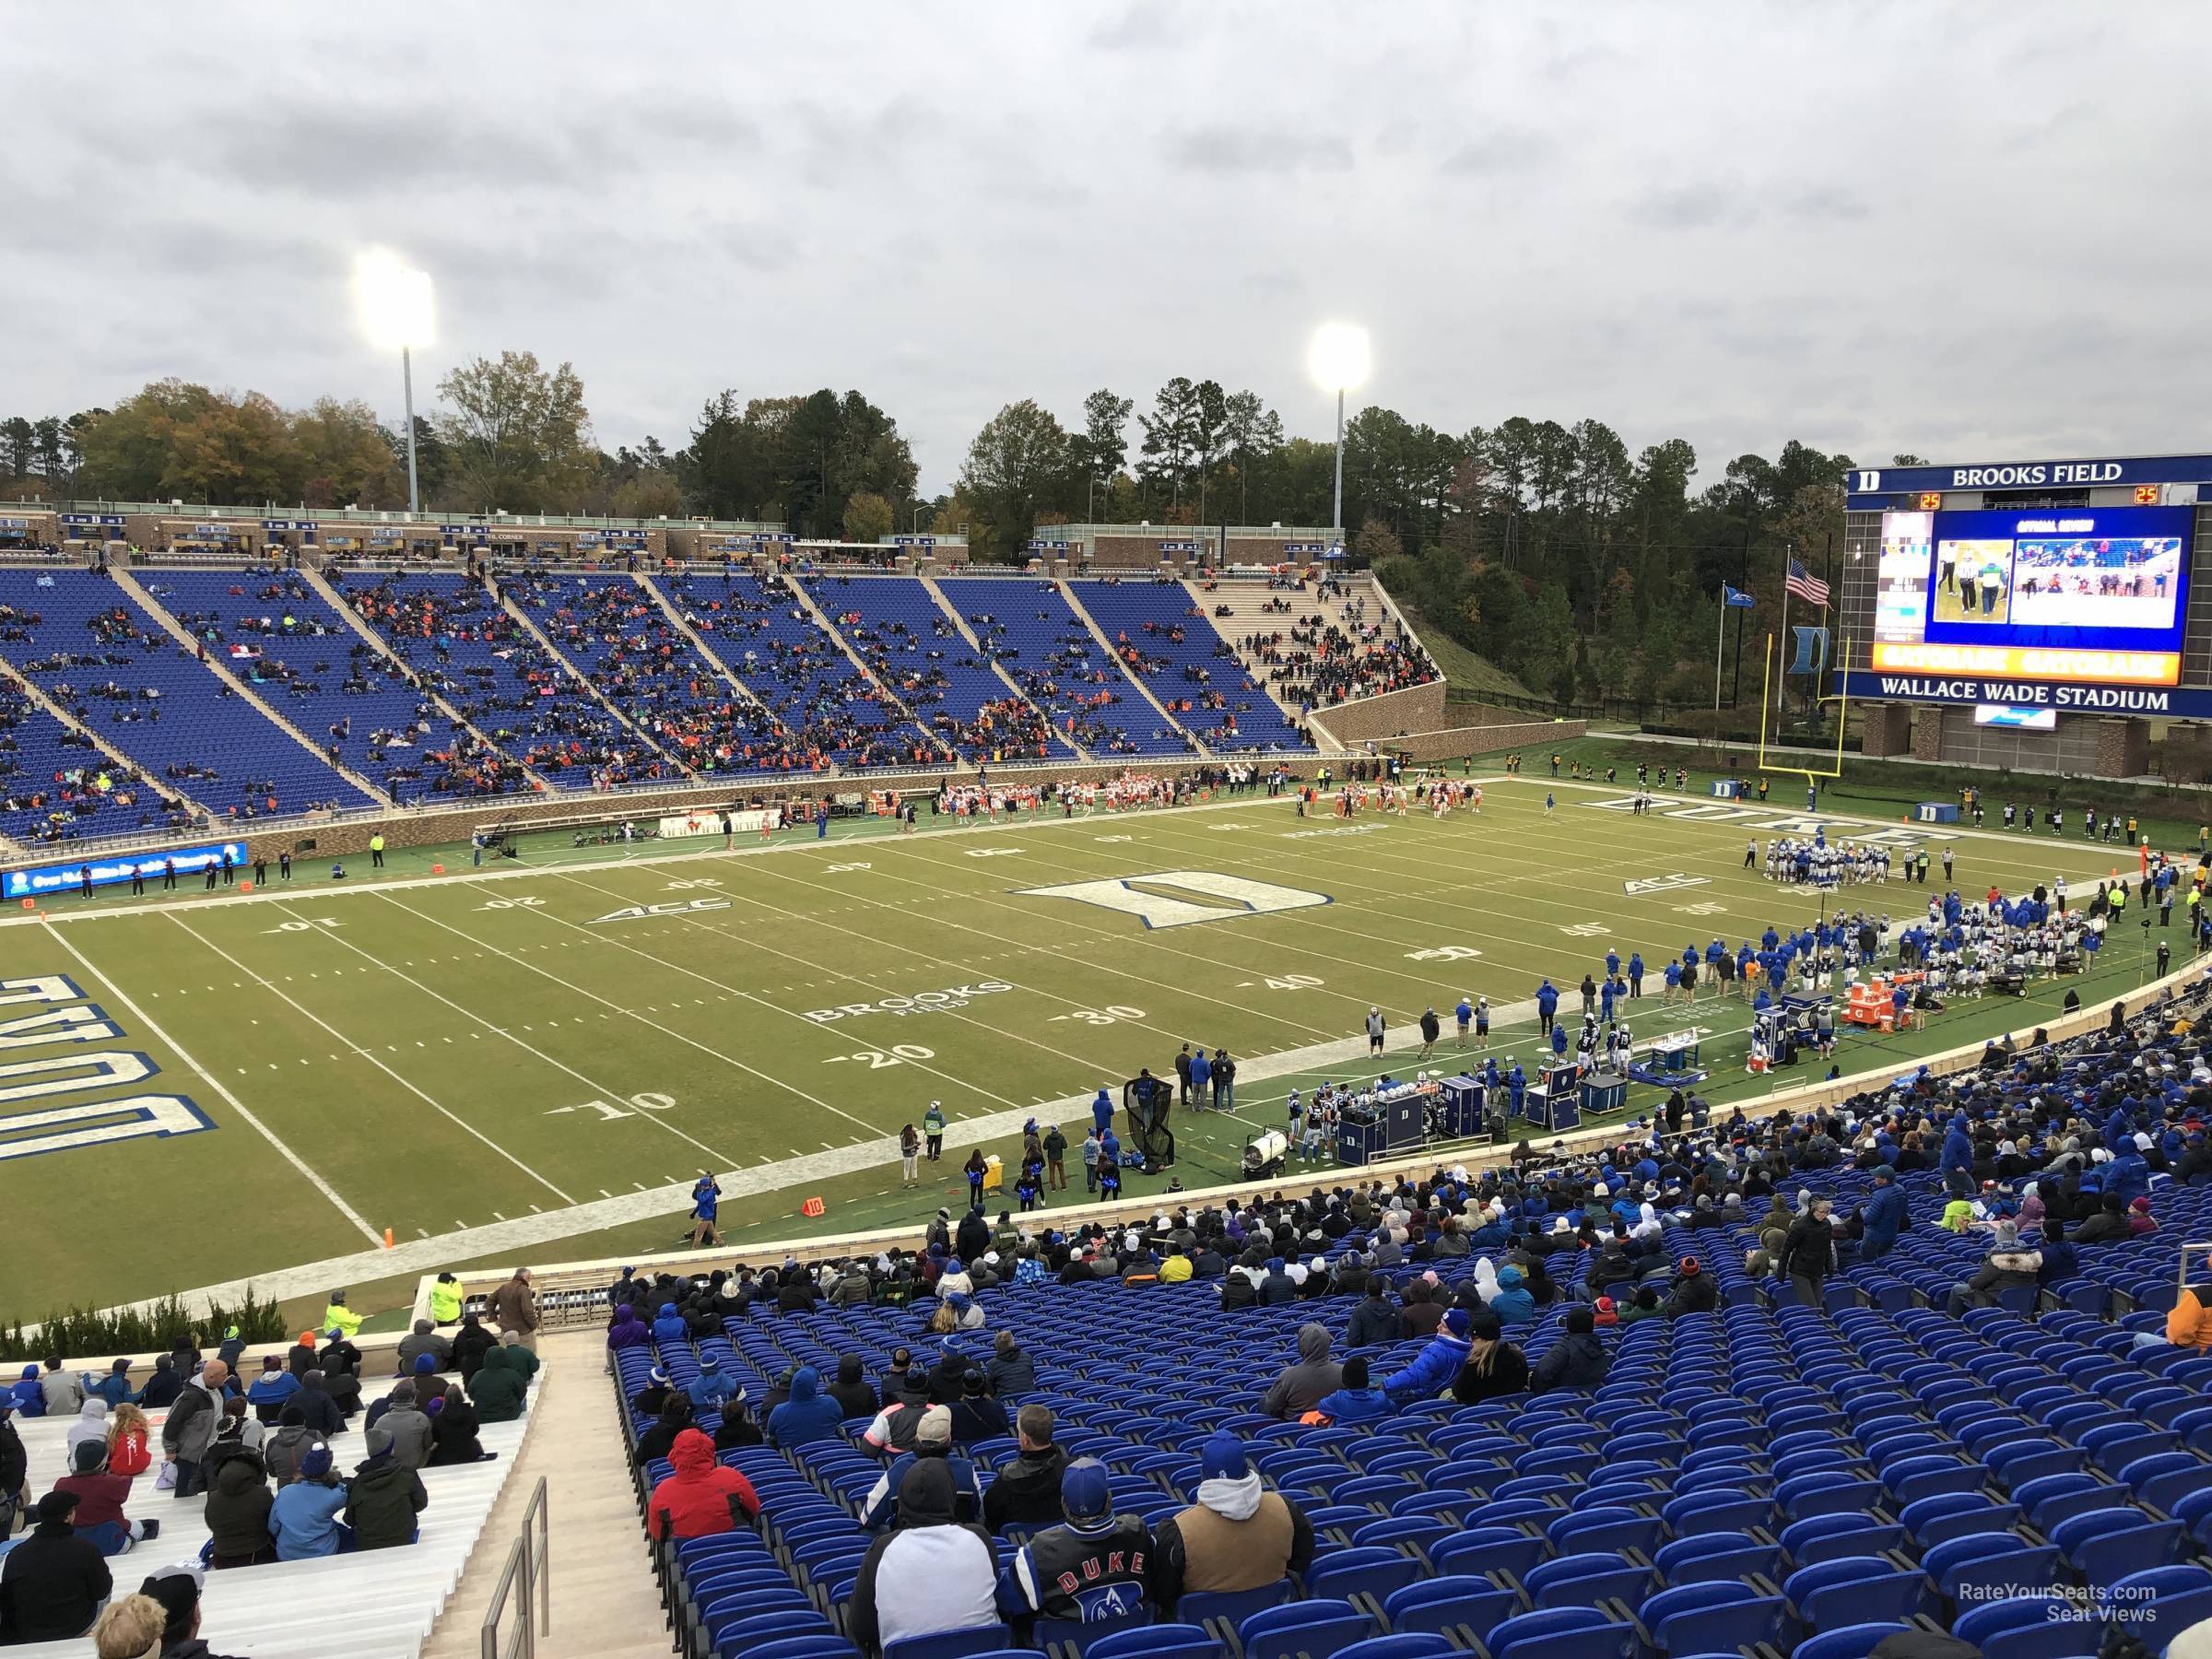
(2090, 594)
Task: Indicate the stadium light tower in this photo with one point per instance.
(1338, 359)
(394, 301)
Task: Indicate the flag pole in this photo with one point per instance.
(1782, 686)
(1720, 645)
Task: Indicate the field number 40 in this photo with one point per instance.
(876, 1059)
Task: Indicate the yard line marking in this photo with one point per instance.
(206, 944)
(231, 1099)
(604, 1002)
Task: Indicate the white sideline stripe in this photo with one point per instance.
(434, 1105)
(230, 1099)
(520, 1235)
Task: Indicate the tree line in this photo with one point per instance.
(1580, 568)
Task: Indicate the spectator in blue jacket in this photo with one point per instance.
(1512, 1304)
(1547, 1004)
(1883, 1216)
(670, 1328)
(808, 1416)
(1435, 1366)
(27, 1398)
(1357, 1401)
(711, 1386)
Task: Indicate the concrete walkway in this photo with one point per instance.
(605, 1602)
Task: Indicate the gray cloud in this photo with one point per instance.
(1687, 222)
(1227, 149)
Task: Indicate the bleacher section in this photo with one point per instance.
(766, 637)
(56, 787)
(1315, 649)
(99, 655)
(1194, 673)
(912, 647)
(617, 633)
(1811, 1479)
(375, 1604)
(1035, 634)
(282, 637)
(451, 632)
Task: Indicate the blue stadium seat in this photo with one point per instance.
(1564, 1633)
(950, 1645)
(1848, 1642)
(1231, 1606)
(1453, 1602)
(1316, 1629)
(1712, 1617)
(2028, 1627)
(1156, 1642)
(1852, 1589)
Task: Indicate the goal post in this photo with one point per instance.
(1766, 703)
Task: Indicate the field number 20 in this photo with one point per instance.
(876, 1059)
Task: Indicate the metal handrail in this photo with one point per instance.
(532, 1557)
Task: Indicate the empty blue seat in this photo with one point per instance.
(1377, 1570)
(1413, 1644)
(950, 1645)
(1851, 1590)
(1153, 1642)
(1711, 1618)
(1834, 1537)
(1452, 1602)
(1580, 1579)
(1563, 1633)
(1850, 1642)
(1316, 1629)
(1488, 1548)
(2156, 1605)
(1231, 1606)
(1965, 1570)
(1604, 1528)
(2104, 1545)
(2028, 1627)
(1076, 1636)
(1706, 1556)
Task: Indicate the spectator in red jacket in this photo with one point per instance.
(702, 1497)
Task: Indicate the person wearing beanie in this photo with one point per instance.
(649, 1400)
(52, 1581)
(1604, 1315)
(301, 1357)
(2139, 1222)
(409, 1426)
(424, 1339)
(711, 1386)
(384, 1496)
(471, 1343)
(176, 1592)
(933, 1442)
(1356, 1402)
(100, 1498)
(976, 1416)
(338, 1317)
(1301, 1386)
(1575, 1359)
(115, 1387)
(1238, 1536)
(1882, 1217)
(1025, 1492)
(1694, 1290)
(929, 1574)
(1094, 1568)
(700, 1497)
(269, 1392)
(1374, 1320)
(239, 1500)
(304, 1518)
(1494, 1367)
(853, 1396)
(1435, 1366)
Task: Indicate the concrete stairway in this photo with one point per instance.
(221, 670)
(337, 601)
(605, 1602)
(1075, 603)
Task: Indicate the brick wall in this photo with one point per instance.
(1139, 550)
(1888, 730)
(1927, 734)
(2122, 748)
(1417, 709)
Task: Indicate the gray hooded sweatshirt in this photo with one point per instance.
(1304, 1385)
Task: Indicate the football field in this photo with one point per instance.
(524, 1061)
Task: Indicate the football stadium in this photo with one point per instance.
(1100, 1030)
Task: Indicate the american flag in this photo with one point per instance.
(1806, 585)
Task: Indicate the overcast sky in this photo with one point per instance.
(1977, 232)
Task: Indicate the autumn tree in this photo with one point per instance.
(867, 516)
(519, 434)
(1019, 459)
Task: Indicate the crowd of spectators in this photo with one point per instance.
(60, 805)
(1318, 660)
(467, 648)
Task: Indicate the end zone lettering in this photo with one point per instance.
(62, 1014)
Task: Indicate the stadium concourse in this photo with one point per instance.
(1931, 1359)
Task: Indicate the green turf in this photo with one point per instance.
(432, 1049)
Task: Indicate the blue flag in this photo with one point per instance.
(1736, 598)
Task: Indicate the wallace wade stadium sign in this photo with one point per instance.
(2173, 700)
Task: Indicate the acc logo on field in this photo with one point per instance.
(1660, 884)
(1171, 898)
